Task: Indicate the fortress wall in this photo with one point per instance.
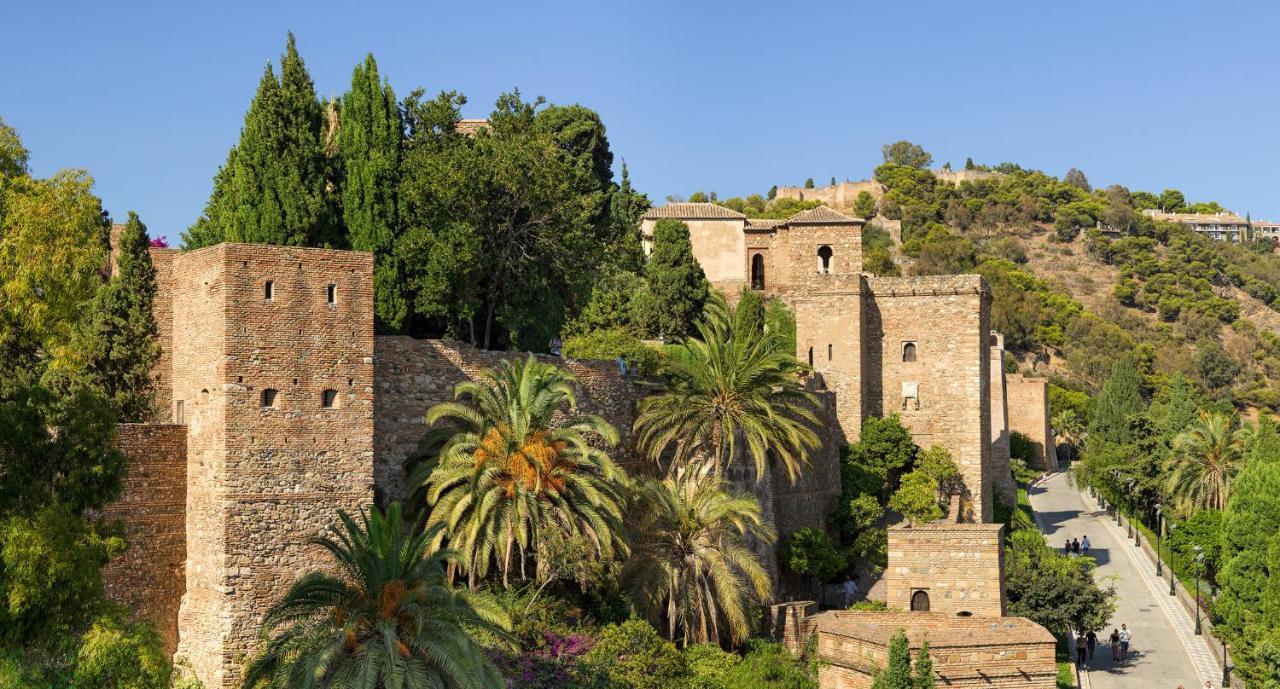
(1029, 414)
(841, 196)
(162, 310)
(1005, 487)
(812, 498)
(199, 334)
(947, 319)
(149, 576)
(957, 565)
(413, 375)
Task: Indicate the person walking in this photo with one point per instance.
(850, 591)
(1066, 547)
(1115, 644)
(1081, 649)
(1125, 637)
(1092, 640)
(1075, 546)
(1085, 545)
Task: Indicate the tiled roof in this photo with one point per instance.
(470, 127)
(763, 223)
(943, 629)
(822, 216)
(693, 211)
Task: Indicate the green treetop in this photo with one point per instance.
(924, 668)
(1120, 399)
(120, 342)
(908, 154)
(677, 286)
(370, 134)
(13, 155)
(272, 188)
(897, 675)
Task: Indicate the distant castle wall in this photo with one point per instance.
(1029, 414)
(841, 196)
(149, 577)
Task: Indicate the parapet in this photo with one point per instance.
(927, 285)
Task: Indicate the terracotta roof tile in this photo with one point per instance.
(763, 223)
(693, 211)
(822, 216)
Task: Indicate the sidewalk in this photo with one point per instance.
(1164, 652)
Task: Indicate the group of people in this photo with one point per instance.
(1075, 546)
(1119, 640)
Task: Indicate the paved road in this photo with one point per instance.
(1164, 652)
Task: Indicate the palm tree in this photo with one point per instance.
(1068, 428)
(386, 619)
(505, 472)
(1203, 462)
(732, 382)
(691, 571)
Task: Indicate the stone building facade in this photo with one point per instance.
(1028, 410)
(918, 347)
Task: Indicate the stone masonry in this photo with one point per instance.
(1029, 414)
(946, 567)
(1005, 488)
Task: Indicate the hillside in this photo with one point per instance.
(1072, 300)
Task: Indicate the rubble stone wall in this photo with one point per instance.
(1029, 414)
(958, 566)
(149, 577)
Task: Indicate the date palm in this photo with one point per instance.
(508, 468)
(732, 383)
(385, 619)
(692, 571)
(1203, 463)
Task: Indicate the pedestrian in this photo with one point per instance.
(555, 346)
(1125, 637)
(1092, 639)
(1066, 547)
(1081, 649)
(1115, 644)
(633, 370)
(1075, 546)
(850, 591)
(622, 365)
(1085, 545)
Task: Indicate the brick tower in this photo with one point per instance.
(272, 372)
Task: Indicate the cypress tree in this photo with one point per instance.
(370, 138)
(898, 673)
(677, 286)
(273, 188)
(120, 342)
(626, 205)
(924, 668)
(1120, 399)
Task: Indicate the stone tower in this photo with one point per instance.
(272, 372)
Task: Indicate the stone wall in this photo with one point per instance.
(1002, 476)
(958, 566)
(149, 576)
(414, 375)
(162, 309)
(841, 196)
(966, 652)
(946, 319)
(267, 474)
(1029, 414)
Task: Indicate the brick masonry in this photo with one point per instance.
(1029, 413)
(957, 566)
(1002, 476)
(149, 576)
(997, 653)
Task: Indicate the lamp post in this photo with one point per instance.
(1199, 568)
(1159, 528)
(1226, 669)
(1172, 577)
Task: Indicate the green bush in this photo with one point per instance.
(607, 345)
(811, 553)
(1021, 447)
(117, 654)
(631, 655)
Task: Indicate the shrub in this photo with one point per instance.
(631, 655)
(1022, 447)
(810, 552)
(118, 654)
(607, 345)
(711, 665)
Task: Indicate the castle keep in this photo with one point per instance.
(280, 406)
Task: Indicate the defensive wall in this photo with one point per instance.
(1001, 469)
(946, 567)
(1029, 414)
(840, 196)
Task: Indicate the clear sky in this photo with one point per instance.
(727, 96)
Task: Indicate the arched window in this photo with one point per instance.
(329, 399)
(757, 271)
(269, 397)
(920, 601)
(269, 290)
(824, 259)
(908, 352)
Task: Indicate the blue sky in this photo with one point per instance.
(731, 97)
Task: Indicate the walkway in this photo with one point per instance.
(1165, 653)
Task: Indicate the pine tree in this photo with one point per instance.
(370, 138)
(898, 673)
(677, 286)
(273, 188)
(1120, 400)
(120, 341)
(924, 668)
(968, 164)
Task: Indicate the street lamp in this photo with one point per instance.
(1226, 669)
(1199, 569)
(1159, 528)
(1172, 577)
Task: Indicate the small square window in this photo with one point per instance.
(329, 399)
(269, 398)
(331, 292)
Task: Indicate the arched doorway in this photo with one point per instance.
(920, 601)
(757, 271)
